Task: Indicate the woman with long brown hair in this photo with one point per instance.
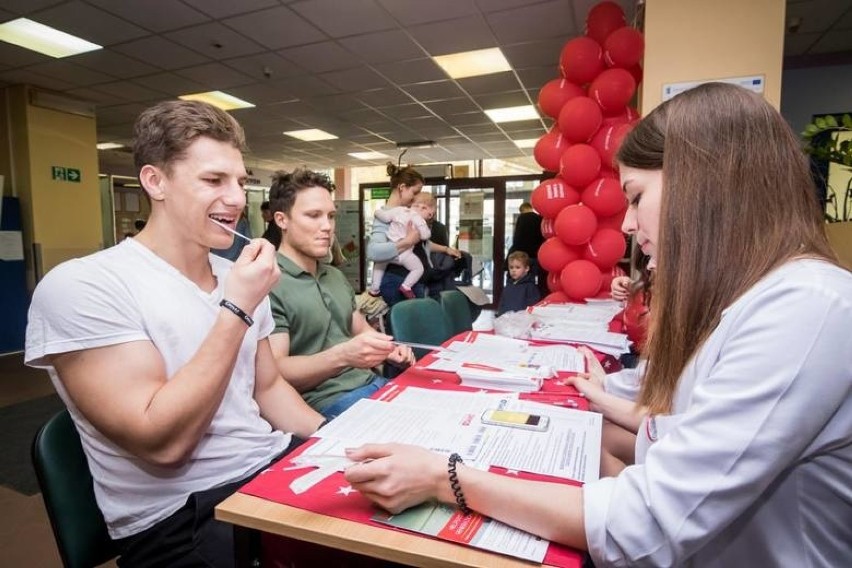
(749, 440)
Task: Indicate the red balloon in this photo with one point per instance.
(556, 296)
(553, 195)
(549, 148)
(635, 318)
(637, 73)
(547, 229)
(581, 279)
(581, 60)
(605, 248)
(612, 90)
(603, 19)
(554, 284)
(628, 116)
(624, 48)
(605, 197)
(613, 222)
(553, 254)
(579, 119)
(580, 165)
(555, 93)
(607, 141)
(575, 225)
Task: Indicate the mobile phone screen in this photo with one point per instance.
(510, 417)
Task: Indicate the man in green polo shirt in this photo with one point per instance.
(321, 343)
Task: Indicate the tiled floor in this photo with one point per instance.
(25, 535)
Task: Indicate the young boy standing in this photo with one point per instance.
(522, 291)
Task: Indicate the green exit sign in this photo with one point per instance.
(66, 174)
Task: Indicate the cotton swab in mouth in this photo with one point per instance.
(230, 230)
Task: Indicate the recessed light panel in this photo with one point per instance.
(311, 135)
(44, 39)
(526, 143)
(368, 155)
(473, 63)
(109, 146)
(512, 114)
(218, 99)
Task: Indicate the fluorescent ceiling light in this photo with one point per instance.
(44, 39)
(512, 114)
(368, 155)
(218, 99)
(526, 143)
(109, 146)
(473, 63)
(311, 135)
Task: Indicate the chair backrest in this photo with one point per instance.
(66, 487)
(420, 320)
(457, 309)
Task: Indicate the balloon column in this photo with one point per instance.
(583, 207)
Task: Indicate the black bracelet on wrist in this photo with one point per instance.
(454, 483)
(233, 308)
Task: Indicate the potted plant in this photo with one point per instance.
(827, 144)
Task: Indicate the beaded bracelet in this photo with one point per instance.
(235, 309)
(454, 483)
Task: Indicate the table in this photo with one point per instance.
(250, 514)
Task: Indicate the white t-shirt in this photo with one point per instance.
(754, 466)
(127, 293)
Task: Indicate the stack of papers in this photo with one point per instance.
(502, 363)
(580, 323)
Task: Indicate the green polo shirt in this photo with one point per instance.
(317, 314)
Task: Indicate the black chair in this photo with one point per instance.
(420, 320)
(66, 487)
(457, 309)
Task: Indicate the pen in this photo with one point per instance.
(230, 230)
(419, 345)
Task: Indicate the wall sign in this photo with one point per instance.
(753, 83)
(61, 173)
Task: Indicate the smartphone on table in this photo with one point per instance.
(516, 419)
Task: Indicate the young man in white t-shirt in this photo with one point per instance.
(160, 350)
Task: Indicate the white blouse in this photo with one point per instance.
(754, 466)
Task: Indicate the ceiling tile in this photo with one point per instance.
(15, 56)
(501, 100)
(215, 41)
(268, 28)
(215, 76)
(73, 74)
(161, 52)
(264, 93)
(336, 103)
(170, 84)
(95, 96)
(265, 67)
(816, 15)
(90, 23)
(406, 111)
(159, 16)
(833, 41)
(119, 114)
(412, 12)
(799, 43)
(321, 57)
(28, 6)
(225, 8)
(23, 76)
(469, 118)
(536, 22)
(360, 79)
(449, 107)
(480, 129)
(535, 53)
(412, 71)
(383, 47)
(340, 19)
(130, 92)
(535, 77)
(311, 86)
(494, 83)
(462, 34)
(112, 62)
(434, 90)
(383, 97)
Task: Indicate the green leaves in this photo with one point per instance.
(829, 147)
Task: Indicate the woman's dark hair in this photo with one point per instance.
(403, 175)
(737, 202)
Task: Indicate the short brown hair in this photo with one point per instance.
(163, 132)
(738, 201)
(520, 256)
(286, 185)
